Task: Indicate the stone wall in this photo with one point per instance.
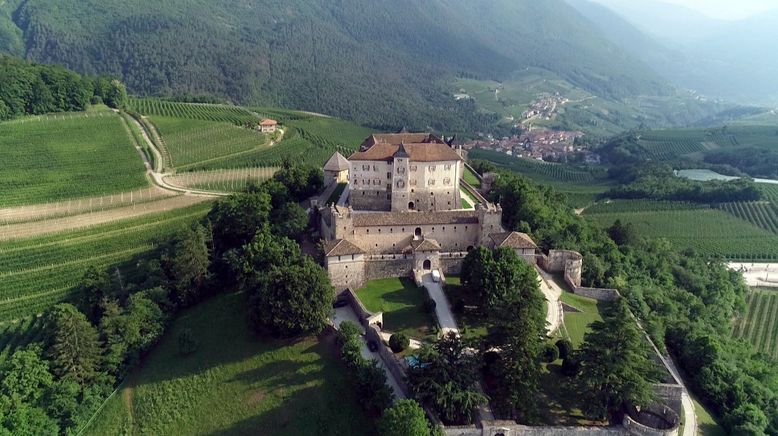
(375, 200)
(569, 262)
(655, 420)
(510, 428)
(378, 268)
(598, 293)
(392, 362)
(670, 394)
(366, 318)
(393, 239)
(452, 264)
(346, 271)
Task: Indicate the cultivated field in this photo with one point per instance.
(40, 272)
(760, 323)
(625, 206)
(671, 143)
(222, 180)
(709, 231)
(235, 383)
(58, 157)
(534, 168)
(761, 214)
(192, 111)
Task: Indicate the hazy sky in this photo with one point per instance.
(727, 9)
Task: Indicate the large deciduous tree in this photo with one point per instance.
(405, 418)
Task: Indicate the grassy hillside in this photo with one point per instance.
(322, 56)
(234, 383)
(55, 157)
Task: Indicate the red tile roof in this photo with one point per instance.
(268, 122)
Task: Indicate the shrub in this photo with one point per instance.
(398, 342)
(406, 418)
(570, 367)
(429, 305)
(550, 353)
(348, 330)
(565, 347)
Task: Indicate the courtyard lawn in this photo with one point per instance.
(401, 303)
(577, 323)
(234, 383)
(471, 178)
(471, 323)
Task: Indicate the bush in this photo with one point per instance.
(429, 305)
(398, 342)
(406, 418)
(570, 367)
(348, 330)
(565, 347)
(550, 353)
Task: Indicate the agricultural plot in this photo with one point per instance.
(623, 206)
(770, 192)
(710, 231)
(40, 272)
(760, 214)
(191, 141)
(759, 326)
(54, 158)
(668, 149)
(235, 383)
(192, 111)
(222, 180)
(542, 171)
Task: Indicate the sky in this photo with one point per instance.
(727, 9)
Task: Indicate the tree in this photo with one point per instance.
(289, 300)
(289, 220)
(236, 219)
(398, 342)
(301, 181)
(405, 418)
(622, 234)
(446, 378)
(615, 366)
(186, 265)
(550, 353)
(73, 349)
(565, 347)
(94, 288)
(25, 377)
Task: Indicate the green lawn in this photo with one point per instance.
(560, 398)
(577, 323)
(706, 424)
(66, 156)
(235, 384)
(401, 303)
(470, 322)
(471, 178)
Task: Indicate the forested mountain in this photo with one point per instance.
(379, 62)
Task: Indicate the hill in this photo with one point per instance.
(382, 63)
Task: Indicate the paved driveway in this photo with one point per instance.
(552, 291)
(442, 308)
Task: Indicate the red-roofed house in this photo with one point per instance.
(268, 126)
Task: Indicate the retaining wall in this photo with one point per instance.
(510, 428)
(649, 420)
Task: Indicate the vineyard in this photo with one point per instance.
(53, 158)
(761, 214)
(759, 326)
(671, 143)
(770, 192)
(625, 206)
(190, 142)
(193, 111)
(542, 171)
(222, 180)
(37, 273)
(709, 231)
(669, 149)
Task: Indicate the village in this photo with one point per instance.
(546, 145)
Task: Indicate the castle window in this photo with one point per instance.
(376, 181)
(413, 168)
(431, 182)
(374, 168)
(448, 166)
(432, 167)
(400, 184)
(413, 182)
(446, 181)
(365, 167)
(400, 170)
(389, 175)
(338, 258)
(368, 230)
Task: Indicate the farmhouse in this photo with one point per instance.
(268, 126)
(403, 213)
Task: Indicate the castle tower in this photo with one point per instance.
(490, 220)
(401, 199)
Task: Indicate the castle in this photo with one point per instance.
(407, 210)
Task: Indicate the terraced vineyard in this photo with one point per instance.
(191, 141)
(665, 150)
(37, 273)
(222, 180)
(15, 335)
(770, 192)
(710, 231)
(534, 169)
(761, 214)
(192, 111)
(54, 158)
(759, 326)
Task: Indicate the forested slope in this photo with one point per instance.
(379, 62)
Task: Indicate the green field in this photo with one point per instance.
(708, 231)
(401, 303)
(40, 272)
(760, 214)
(770, 192)
(759, 326)
(235, 383)
(192, 111)
(577, 323)
(471, 178)
(626, 206)
(668, 144)
(56, 157)
(194, 141)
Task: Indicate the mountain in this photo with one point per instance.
(384, 63)
(723, 59)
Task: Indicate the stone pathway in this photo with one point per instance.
(552, 291)
(442, 308)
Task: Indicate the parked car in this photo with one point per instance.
(436, 276)
(340, 302)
